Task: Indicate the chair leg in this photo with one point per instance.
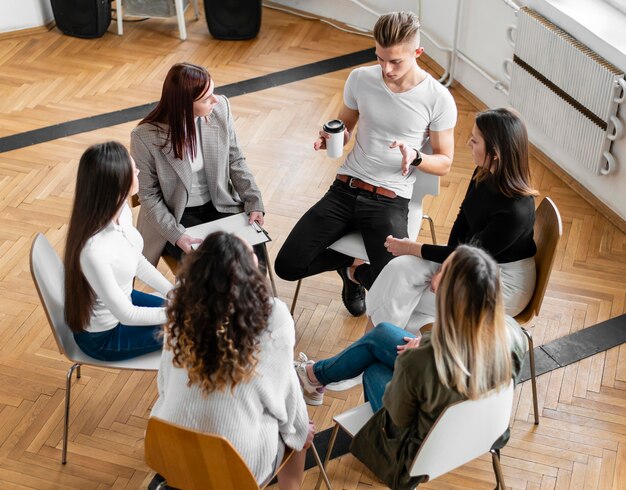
(432, 228)
(295, 296)
(533, 373)
(269, 270)
(68, 387)
(180, 15)
(195, 9)
(497, 469)
(318, 461)
(119, 14)
(331, 444)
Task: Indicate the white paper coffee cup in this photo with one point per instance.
(334, 144)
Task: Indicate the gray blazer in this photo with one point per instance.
(165, 181)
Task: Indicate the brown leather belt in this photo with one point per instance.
(359, 184)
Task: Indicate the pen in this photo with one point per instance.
(257, 227)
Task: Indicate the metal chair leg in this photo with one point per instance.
(269, 270)
(68, 387)
(497, 469)
(331, 444)
(432, 228)
(533, 373)
(195, 9)
(295, 296)
(321, 467)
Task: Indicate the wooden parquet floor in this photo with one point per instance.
(49, 78)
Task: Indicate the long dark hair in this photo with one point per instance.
(505, 138)
(184, 84)
(104, 180)
(217, 313)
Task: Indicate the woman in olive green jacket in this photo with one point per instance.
(409, 381)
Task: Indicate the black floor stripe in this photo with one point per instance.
(92, 123)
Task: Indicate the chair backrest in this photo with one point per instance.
(547, 233)
(463, 432)
(48, 275)
(425, 184)
(190, 460)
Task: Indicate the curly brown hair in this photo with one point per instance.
(217, 313)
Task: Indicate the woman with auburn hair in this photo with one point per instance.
(192, 168)
(227, 365)
(111, 320)
(409, 381)
(497, 214)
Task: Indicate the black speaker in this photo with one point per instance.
(233, 19)
(82, 18)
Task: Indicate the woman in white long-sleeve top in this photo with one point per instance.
(227, 363)
(110, 319)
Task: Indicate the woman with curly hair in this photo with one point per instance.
(227, 365)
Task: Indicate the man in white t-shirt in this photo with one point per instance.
(399, 108)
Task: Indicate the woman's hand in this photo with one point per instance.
(402, 246)
(408, 154)
(411, 343)
(185, 242)
(435, 280)
(310, 435)
(256, 216)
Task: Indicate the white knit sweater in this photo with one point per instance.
(253, 415)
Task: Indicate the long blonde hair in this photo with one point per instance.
(470, 340)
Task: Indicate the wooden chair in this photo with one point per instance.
(180, 16)
(192, 460)
(463, 432)
(48, 275)
(547, 233)
(352, 243)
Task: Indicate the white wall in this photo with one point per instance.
(483, 39)
(23, 14)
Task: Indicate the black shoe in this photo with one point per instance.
(352, 294)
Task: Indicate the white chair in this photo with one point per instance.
(352, 243)
(463, 432)
(180, 16)
(48, 275)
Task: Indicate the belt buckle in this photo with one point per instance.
(350, 183)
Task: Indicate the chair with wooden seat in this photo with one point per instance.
(547, 233)
(48, 273)
(463, 432)
(352, 244)
(192, 460)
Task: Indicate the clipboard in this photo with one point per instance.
(237, 224)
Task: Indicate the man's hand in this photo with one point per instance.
(402, 246)
(411, 343)
(408, 154)
(256, 216)
(185, 242)
(320, 143)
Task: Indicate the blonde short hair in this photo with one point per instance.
(397, 28)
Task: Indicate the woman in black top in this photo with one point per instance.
(497, 214)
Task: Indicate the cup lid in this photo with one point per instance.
(334, 126)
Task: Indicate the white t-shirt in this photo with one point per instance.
(385, 116)
(110, 261)
(199, 193)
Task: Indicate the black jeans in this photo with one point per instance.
(197, 215)
(341, 210)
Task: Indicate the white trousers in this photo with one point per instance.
(401, 294)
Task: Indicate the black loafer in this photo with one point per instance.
(352, 294)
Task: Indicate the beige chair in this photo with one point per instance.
(192, 460)
(48, 275)
(180, 16)
(352, 243)
(548, 232)
(463, 432)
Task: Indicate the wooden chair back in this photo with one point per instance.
(192, 460)
(548, 232)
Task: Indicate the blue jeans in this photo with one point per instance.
(374, 355)
(124, 341)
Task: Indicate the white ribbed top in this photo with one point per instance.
(253, 415)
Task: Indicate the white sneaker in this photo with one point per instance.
(313, 394)
(346, 384)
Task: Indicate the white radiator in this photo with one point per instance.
(566, 90)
